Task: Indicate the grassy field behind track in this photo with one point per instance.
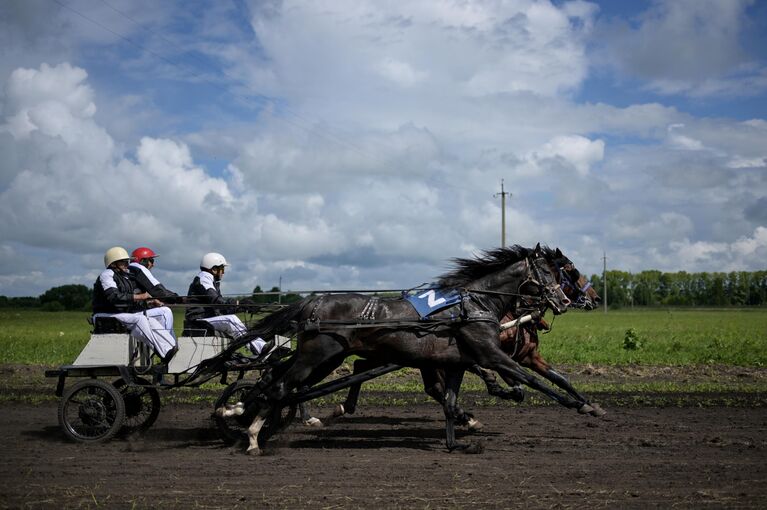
(661, 336)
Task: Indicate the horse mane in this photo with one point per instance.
(489, 261)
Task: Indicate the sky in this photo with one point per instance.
(358, 144)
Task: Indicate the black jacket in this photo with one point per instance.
(146, 282)
(205, 290)
(113, 293)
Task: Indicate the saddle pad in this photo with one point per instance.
(428, 301)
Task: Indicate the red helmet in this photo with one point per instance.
(142, 253)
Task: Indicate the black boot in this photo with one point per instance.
(169, 355)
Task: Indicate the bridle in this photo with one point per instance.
(568, 283)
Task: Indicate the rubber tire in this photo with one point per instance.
(142, 405)
(91, 411)
(234, 429)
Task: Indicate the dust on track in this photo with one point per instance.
(394, 457)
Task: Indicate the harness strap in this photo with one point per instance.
(369, 311)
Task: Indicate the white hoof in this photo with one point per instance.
(585, 409)
(230, 410)
(313, 422)
(339, 411)
(475, 425)
(253, 452)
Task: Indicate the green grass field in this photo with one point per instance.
(661, 337)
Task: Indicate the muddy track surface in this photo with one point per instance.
(394, 457)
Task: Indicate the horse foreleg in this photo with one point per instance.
(515, 373)
(542, 368)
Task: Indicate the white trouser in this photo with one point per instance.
(147, 329)
(233, 326)
(164, 316)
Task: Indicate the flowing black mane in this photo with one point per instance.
(490, 261)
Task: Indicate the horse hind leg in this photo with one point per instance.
(255, 429)
(306, 417)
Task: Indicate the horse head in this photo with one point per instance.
(541, 274)
(575, 286)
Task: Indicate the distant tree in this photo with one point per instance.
(19, 302)
(71, 297)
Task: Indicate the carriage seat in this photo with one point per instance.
(106, 325)
(196, 327)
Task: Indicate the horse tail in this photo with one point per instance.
(278, 323)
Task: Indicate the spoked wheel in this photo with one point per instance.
(91, 411)
(233, 429)
(142, 405)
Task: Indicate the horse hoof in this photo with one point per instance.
(339, 411)
(597, 411)
(253, 452)
(585, 409)
(470, 448)
(313, 422)
(475, 425)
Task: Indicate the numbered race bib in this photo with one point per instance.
(428, 301)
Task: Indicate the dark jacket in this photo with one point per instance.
(206, 291)
(146, 282)
(113, 293)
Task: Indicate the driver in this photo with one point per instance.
(142, 262)
(205, 290)
(115, 295)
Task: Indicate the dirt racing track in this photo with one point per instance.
(393, 457)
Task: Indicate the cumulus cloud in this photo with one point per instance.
(687, 46)
(362, 143)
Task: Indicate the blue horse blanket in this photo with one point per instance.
(430, 300)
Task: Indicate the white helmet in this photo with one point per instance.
(114, 254)
(211, 260)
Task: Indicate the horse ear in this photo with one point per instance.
(537, 248)
(558, 253)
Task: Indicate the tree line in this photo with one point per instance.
(648, 288)
(80, 297)
(655, 288)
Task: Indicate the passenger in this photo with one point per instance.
(114, 296)
(142, 263)
(215, 309)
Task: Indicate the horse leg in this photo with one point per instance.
(306, 417)
(314, 360)
(512, 373)
(494, 389)
(545, 370)
(434, 386)
(350, 404)
(453, 381)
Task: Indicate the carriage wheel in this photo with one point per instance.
(142, 405)
(91, 411)
(235, 428)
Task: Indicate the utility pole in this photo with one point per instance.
(279, 296)
(503, 194)
(604, 277)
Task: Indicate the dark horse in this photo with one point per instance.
(332, 327)
(520, 342)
